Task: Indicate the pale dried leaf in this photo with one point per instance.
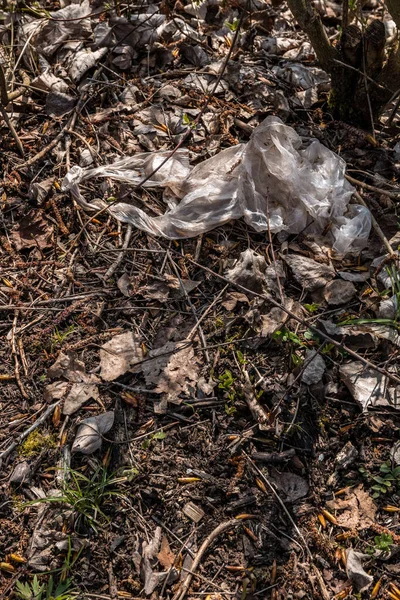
(120, 355)
(368, 387)
(89, 436)
(173, 370)
(33, 231)
(339, 292)
(356, 510)
(249, 271)
(310, 274)
(355, 570)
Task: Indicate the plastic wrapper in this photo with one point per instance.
(272, 181)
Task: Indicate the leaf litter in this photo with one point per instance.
(156, 360)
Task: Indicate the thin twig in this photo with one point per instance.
(182, 591)
(373, 188)
(24, 435)
(111, 270)
(15, 355)
(205, 313)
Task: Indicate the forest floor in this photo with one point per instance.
(207, 417)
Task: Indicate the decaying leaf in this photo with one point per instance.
(22, 473)
(33, 231)
(89, 436)
(84, 60)
(166, 557)
(276, 318)
(314, 368)
(356, 510)
(173, 370)
(355, 571)
(231, 299)
(79, 387)
(169, 288)
(368, 387)
(293, 486)
(249, 271)
(120, 355)
(74, 395)
(310, 274)
(69, 23)
(339, 292)
(146, 561)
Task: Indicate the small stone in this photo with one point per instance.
(339, 292)
(346, 456)
(21, 473)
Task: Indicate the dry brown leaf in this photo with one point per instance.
(165, 556)
(308, 273)
(33, 231)
(357, 510)
(232, 298)
(119, 355)
(173, 370)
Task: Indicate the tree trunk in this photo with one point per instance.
(361, 83)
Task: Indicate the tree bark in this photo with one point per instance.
(393, 7)
(361, 85)
(311, 24)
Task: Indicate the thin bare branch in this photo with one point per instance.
(311, 24)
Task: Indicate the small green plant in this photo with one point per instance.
(87, 496)
(60, 336)
(232, 26)
(284, 336)
(311, 307)
(227, 383)
(42, 591)
(382, 542)
(296, 360)
(159, 435)
(387, 481)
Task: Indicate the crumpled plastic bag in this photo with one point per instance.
(272, 181)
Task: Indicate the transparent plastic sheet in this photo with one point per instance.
(270, 181)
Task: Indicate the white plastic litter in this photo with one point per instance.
(270, 181)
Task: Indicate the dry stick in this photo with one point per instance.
(257, 410)
(24, 435)
(15, 355)
(192, 308)
(303, 322)
(182, 591)
(4, 99)
(111, 270)
(373, 188)
(205, 313)
(321, 582)
(12, 130)
(47, 148)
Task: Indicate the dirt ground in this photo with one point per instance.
(213, 463)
